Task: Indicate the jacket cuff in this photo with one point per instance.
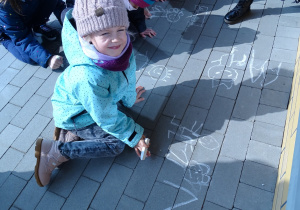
(135, 136)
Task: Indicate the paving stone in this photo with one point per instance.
(268, 25)
(270, 97)
(191, 125)
(149, 46)
(212, 26)
(239, 56)
(148, 83)
(10, 190)
(236, 140)
(162, 197)
(184, 16)
(263, 153)
(203, 48)
(192, 33)
(7, 137)
(191, 73)
(67, 177)
(260, 176)
(225, 40)
(286, 43)
(48, 132)
(32, 131)
(7, 114)
(50, 201)
(47, 88)
(127, 203)
(212, 206)
(267, 133)
(98, 168)
(281, 69)
(24, 75)
(288, 21)
(143, 176)
(162, 28)
(247, 32)
(204, 93)
(283, 55)
(112, 188)
(82, 194)
(127, 158)
(180, 55)
(47, 109)
(151, 111)
(256, 13)
(25, 115)
(170, 41)
(271, 115)
(27, 91)
(33, 193)
(289, 32)
(5, 61)
(160, 58)
(221, 7)
(43, 73)
(3, 51)
(6, 94)
(255, 72)
(279, 83)
(224, 183)
(6, 77)
(17, 64)
(247, 103)
(262, 47)
(219, 114)
(184, 94)
(253, 198)
(206, 152)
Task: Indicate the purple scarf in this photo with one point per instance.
(119, 63)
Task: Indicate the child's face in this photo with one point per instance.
(110, 41)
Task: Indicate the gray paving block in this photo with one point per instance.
(17, 64)
(82, 194)
(289, 32)
(47, 109)
(148, 83)
(98, 168)
(167, 81)
(127, 203)
(181, 55)
(262, 47)
(239, 56)
(224, 183)
(206, 152)
(43, 73)
(24, 75)
(180, 153)
(267, 133)
(6, 94)
(204, 93)
(184, 16)
(10, 190)
(255, 72)
(160, 58)
(288, 56)
(247, 103)
(143, 178)
(274, 98)
(213, 26)
(268, 25)
(162, 28)
(149, 46)
(256, 13)
(203, 48)
(5, 61)
(48, 131)
(253, 198)
(281, 69)
(212, 206)
(191, 73)
(127, 158)
(25, 115)
(289, 21)
(47, 88)
(7, 137)
(237, 139)
(29, 135)
(7, 76)
(181, 97)
(151, 111)
(221, 7)
(112, 188)
(27, 91)
(67, 177)
(225, 40)
(247, 32)
(286, 43)
(260, 176)
(263, 153)
(170, 41)
(192, 32)
(191, 125)
(50, 201)
(162, 197)
(219, 114)
(271, 115)
(7, 114)
(279, 83)
(3, 51)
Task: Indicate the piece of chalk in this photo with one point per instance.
(58, 57)
(144, 149)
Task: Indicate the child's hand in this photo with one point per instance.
(55, 61)
(148, 32)
(139, 146)
(147, 13)
(139, 91)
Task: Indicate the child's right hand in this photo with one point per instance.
(55, 61)
(148, 32)
(139, 147)
(139, 91)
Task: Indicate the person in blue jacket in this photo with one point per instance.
(86, 95)
(20, 20)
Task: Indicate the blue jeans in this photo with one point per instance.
(96, 143)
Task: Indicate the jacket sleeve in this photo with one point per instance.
(95, 97)
(21, 35)
(137, 18)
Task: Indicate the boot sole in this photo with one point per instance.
(38, 147)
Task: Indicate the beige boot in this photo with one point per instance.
(48, 158)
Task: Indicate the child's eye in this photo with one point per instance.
(104, 34)
(121, 30)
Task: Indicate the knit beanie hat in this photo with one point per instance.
(143, 3)
(96, 15)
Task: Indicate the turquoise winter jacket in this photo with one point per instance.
(85, 86)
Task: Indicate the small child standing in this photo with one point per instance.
(86, 95)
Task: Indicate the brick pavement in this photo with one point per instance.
(215, 110)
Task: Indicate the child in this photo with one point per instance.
(101, 74)
(17, 21)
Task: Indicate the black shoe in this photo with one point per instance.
(238, 11)
(45, 31)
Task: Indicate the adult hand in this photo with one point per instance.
(139, 146)
(55, 61)
(139, 91)
(148, 32)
